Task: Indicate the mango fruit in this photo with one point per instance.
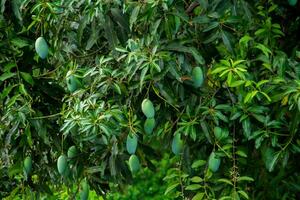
(218, 133)
(72, 152)
(41, 47)
(197, 77)
(292, 2)
(131, 143)
(85, 190)
(27, 164)
(73, 83)
(148, 108)
(177, 144)
(134, 163)
(149, 125)
(214, 162)
(62, 164)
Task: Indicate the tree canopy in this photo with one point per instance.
(93, 91)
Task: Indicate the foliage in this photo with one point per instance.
(147, 184)
(238, 128)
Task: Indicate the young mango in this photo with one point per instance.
(27, 164)
(62, 164)
(72, 152)
(214, 162)
(131, 143)
(85, 190)
(149, 125)
(292, 2)
(73, 83)
(177, 144)
(134, 163)
(148, 108)
(197, 77)
(41, 47)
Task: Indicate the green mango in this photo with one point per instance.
(134, 163)
(41, 47)
(131, 143)
(62, 164)
(73, 83)
(197, 77)
(72, 152)
(149, 125)
(214, 162)
(148, 108)
(218, 133)
(67, 171)
(28, 164)
(177, 144)
(85, 189)
(292, 2)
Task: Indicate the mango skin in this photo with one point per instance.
(134, 163)
(72, 83)
(148, 108)
(84, 194)
(41, 47)
(62, 164)
(292, 2)
(131, 143)
(177, 144)
(149, 125)
(72, 152)
(218, 133)
(197, 77)
(27, 164)
(214, 162)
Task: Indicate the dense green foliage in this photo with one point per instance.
(93, 91)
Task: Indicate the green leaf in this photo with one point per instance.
(6, 91)
(264, 49)
(223, 180)
(120, 18)
(193, 187)
(245, 178)
(218, 70)
(170, 188)
(198, 196)
(270, 158)
(19, 42)
(226, 41)
(211, 26)
(198, 57)
(244, 194)
(134, 15)
(27, 77)
(241, 153)
(6, 75)
(180, 48)
(273, 161)
(201, 19)
(247, 127)
(212, 37)
(196, 179)
(16, 6)
(198, 163)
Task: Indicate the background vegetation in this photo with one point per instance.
(223, 78)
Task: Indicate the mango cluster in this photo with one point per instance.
(63, 168)
(131, 145)
(149, 112)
